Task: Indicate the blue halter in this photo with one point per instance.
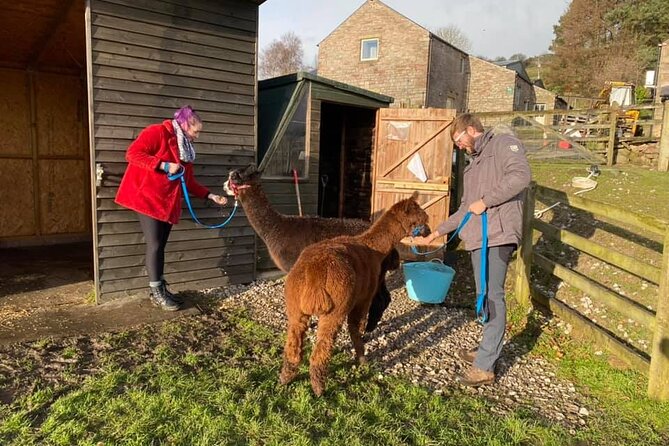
(481, 313)
(180, 176)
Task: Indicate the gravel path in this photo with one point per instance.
(419, 342)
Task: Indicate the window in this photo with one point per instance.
(539, 107)
(291, 152)
(369, 49)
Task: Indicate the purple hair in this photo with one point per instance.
(186, 115)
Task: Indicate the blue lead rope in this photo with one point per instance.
(481, 312)
(180, 176)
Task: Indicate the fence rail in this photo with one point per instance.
(655, 365)
(595, 134)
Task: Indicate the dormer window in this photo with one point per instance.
(369, 49)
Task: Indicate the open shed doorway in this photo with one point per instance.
(345, 165)
(45, 223)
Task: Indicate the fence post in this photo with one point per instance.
(663, 160)
(658, 374)
(610, 149)
(524, 259)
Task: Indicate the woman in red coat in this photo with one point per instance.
(158, 150)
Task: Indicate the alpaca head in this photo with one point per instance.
(241, 179)
(411, 215)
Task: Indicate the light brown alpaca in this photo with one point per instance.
(286, 236)
(335, 279)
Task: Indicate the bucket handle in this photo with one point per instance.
(441, 262)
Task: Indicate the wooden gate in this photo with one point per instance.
(404, 135)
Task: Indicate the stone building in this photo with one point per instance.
(499, 86)
(381, 50)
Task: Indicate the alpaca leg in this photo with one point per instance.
(356, 325)
(328, 327)
(292, 353)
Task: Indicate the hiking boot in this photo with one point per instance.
(175, 297)
(467, 355)
(160, 299)
(475, 377)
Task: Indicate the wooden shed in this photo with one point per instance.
(80, 80)
(349, 151)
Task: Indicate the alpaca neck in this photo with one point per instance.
(259, 211)
(384, 234)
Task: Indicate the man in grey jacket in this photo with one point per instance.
(494, 181)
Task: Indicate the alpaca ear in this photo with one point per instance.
(414, 196)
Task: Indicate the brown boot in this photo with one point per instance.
(475, 377)
(467, 355)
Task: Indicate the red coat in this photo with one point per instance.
(145, 187)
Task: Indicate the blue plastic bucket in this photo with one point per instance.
(428, 282)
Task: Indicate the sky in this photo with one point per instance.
(495, 27)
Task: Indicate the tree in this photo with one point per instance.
(282, 56)
(606, 40)
(518, 56)
(455, 36)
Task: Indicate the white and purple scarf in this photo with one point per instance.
(186, 149)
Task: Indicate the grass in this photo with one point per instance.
(230, 396)
(185, 394)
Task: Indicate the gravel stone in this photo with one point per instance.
(420, 343)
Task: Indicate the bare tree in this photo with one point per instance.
(455, 36)
(282, 56)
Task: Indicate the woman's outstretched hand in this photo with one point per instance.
(218, 199)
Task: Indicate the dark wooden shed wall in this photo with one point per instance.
(149, 57)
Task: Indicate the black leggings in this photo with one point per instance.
(156, 233)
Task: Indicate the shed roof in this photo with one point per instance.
(303, 75)
(517, 66)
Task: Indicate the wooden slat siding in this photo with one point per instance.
(174, 91)
(203, 213)
(163, 14)
(168, 80)
(149, 58)
(238, 60)
(159, 112)
(177, 256)
(130, 272)
(177, 236)
(175, 33)
(173, 58)
(188, 278)
(188, 246)
(154, 101)
(175, 286)
(225, 10)
(202, 148)
(122, 121)
(122, 61)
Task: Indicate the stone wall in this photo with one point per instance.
(402, 65)
(491, 87)
(639, 154)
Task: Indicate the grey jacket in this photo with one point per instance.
(498, 174)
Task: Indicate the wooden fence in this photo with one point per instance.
(594, 133)
(655, 365)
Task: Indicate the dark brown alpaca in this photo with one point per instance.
(286, 236)
(336, 279)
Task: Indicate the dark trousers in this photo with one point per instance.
(493, 330)
(156, 233)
